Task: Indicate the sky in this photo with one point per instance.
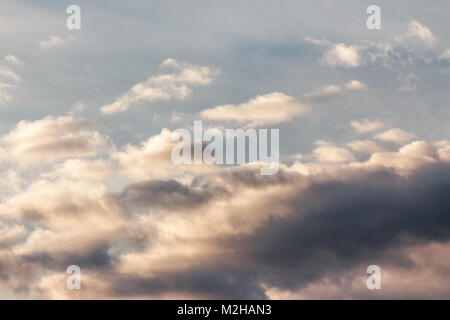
(86, 124)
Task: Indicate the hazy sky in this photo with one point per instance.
(86, 179)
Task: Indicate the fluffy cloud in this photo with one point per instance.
(398, 55)
(417, 31)
(395, 135)
(276, 107)
(341, 55)
(72, 221)
(12, 59)
(328, 152)
(270, 108)
(49, 140)
(365, 125)
(170, 194)
(163, 87)
(230, 232)
(9, 79)
(333, 91)
(4, 95)
(52, 42)
(8, 74)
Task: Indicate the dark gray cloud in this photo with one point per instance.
(334, 226)
(170, 194)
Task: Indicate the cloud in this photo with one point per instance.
(230, 232)
(165, 86)
(170, 194)
(395, 135)
(8, 74)
(334, 91)
(152, 159)
(52, 42)
(72, 221)
(417, 31)
(51, 139)
(365, 146)
(327, 152)
(84, 169)
(12, 59)
(365, 125)
(276, 107)
(355, 85)
(341, 55)
(265, 109)
(399, 55)
(408, 157)
(4, 95)
(11, 235)
(8, 79)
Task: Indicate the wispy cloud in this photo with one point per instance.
(52, 42)
(164, 87)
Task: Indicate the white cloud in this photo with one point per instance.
(4, 95)
(276, 107)
(365, 146)
(270, 108)
(9, 80)
(342, 55)
(332, 91)
(12, 59)
(355, 85)
(9, 74)
(52, 42)
(365, 125)
(164, 87)
(417, 31)
(328, 152)
(51, 139)
(395, 135)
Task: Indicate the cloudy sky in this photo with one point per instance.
(86, 177)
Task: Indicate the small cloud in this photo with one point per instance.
(355, 85)
(8, 80)
(270, 108)
(328, 152)
(365, 125)
(395, 135)
(164, 87)
(417, 31)
(52, 42)
(332, 91)
(12, 59)
(4, 95)
(51, 139)
(445, 55)
(341, 55)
